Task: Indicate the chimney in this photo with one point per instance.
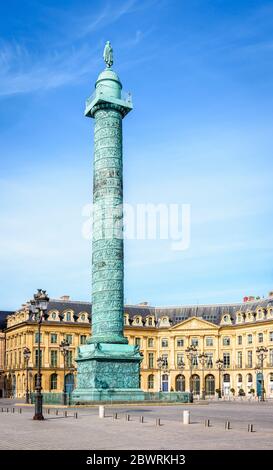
(65, 297)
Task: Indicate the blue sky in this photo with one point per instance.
(200, 73)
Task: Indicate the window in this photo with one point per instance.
(82, 339)
(150, 381)
(240, 359)
(239, 378)
(194, 342)
(165, 360)
(137, 320)
(69, 339)
(195, 360)
(180, 343)
(249, 359)
(271, 336)
(249, 339)
(82, 316)
(226, 358)
(69, 359)
(226, 341)
(150, 321)
(260, 337)
(53, 316)
(209, 341)
(180, 359)
(271, 357)
(180, 383)
(164, 343)
(37, 337)
(240, 340)
(151, 360)
(249, 378)
(138, 342)
(36, 357)
(150, 342)
(53, 381)
(226, 378)
(68, 316)
(209, 360)
(53, 358)
(53, 338)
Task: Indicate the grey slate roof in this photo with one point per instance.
(176, 314)
(3, 318)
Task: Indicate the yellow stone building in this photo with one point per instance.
(231, 333)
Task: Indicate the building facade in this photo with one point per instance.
(231, 333)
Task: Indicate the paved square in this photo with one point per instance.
(19, 431)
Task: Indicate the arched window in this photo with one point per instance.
(249, 378)
(150, 321)
(226, 378)
(180, 383)
(196, 384)
(239, 378)
(271, 377)
(53, 381)
(210, 384)
(150, 381)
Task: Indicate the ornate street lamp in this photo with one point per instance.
(202, 358)
(220, 367)
(191, 352)
(64, 347)
(27, 354)
(38, 310)
(160, 363)
(261, 354)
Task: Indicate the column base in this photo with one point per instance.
(107, 373)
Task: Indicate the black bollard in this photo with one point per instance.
(141, 419)
(76, 415)
(115, 416)
(250, 428)
(207, 423)
(227, 425)
(157, 422)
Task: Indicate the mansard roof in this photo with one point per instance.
(212, 313)
(3, 318)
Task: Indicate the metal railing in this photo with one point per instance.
(125, 96)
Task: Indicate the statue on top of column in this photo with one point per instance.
(108, 54)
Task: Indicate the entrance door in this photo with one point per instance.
(165, 383)
(259, 381)
(69, 383)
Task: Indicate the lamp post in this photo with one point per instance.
(191, 352)
(64, 347)
(160, 363)
(38, 310)
(202, 358)
(27, 353)
(261, 354)
(220, 367)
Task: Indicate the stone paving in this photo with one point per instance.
(19, 431)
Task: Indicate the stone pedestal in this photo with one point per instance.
(108, 372)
